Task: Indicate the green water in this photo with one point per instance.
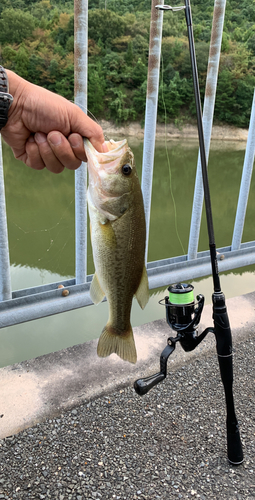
(40, 212)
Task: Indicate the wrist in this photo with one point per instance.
(15, 83)
(6, 98)
(16, 86)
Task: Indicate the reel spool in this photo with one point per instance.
(180, 305)
(181, 313)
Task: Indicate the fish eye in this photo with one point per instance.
(126, 169)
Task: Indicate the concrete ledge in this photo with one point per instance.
(46, 386)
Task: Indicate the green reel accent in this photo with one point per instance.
(181, 294)
(183, 299)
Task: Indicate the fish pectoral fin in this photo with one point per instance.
(142, 293)
(96, 292)
(122, 344)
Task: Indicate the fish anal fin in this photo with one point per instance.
(122, 344)
(96, 292)
(142, 293)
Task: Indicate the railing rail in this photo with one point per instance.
(37, 302)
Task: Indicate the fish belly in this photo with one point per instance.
(118, 252)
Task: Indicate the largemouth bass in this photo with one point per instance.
(118, 232)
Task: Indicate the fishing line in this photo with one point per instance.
(90, 114)
(168, 161)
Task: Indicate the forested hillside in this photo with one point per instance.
(37, 41)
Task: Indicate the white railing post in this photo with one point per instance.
(245, 182)
(80, 91)
(5, 275)
(151, 111)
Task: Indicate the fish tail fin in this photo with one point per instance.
(122, 344)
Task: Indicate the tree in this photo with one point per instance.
(170, 100)
(64, 30)
(105, 25)
(139, 73)
(139, 98)
(129, 57)
(243, 97)
(35, 67)
(16, 26)
(96, 90)
(22, 62)
(225, 101)
(14, 4)
(117, 105)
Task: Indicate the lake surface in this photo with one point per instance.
(40, 212)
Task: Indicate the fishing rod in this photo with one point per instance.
(181, 313)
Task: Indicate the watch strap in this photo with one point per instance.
(5, 98)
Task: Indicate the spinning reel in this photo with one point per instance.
(183, 316)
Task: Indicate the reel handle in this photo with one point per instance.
(143, 385)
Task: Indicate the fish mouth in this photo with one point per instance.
(112, 156)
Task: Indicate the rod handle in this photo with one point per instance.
(143, 385)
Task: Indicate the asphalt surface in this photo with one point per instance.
(170, 443)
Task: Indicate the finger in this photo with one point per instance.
(97, 142)
(47, 154)
(33, 158)
(63, 150)
(77, 145)
(86, 127)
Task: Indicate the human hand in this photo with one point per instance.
(46, 130)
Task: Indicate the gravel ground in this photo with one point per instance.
(169, 444)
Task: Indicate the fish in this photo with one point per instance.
(118, 235)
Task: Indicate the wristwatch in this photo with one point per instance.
(5, 98)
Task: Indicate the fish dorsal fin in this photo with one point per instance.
(96, 292)
(142, 293)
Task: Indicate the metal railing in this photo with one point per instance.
(37, 302)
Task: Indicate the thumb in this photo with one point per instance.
(81, 123)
